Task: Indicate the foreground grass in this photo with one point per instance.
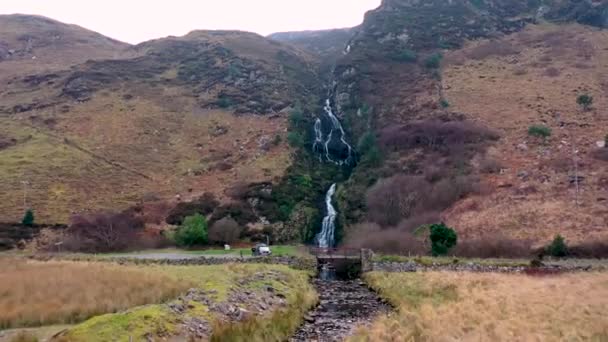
(159, 320)
(445, 306)
(38, 293)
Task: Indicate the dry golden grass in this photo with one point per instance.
(35, 293)
(445, 306)
(510, 93)
(177, 150)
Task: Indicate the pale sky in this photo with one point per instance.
(135, 21)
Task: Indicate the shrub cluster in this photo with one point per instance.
(493, 247)
(442, 238)
(193, 232)
(104, 232)
(204, 205)
(539, 131)
(401, 197)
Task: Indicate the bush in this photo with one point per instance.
(295, 139)
(390, 241)
(600, 154)
(407, 56)
(103, 232)
(193, 232)
(444, 103)
(442, 239)
(434, 134)
(434, 61)
(204, 205)
(590, 249)
(558, 247)
(28, 218)
(585, 101)
(398, 198)
(368, 148)
(224, 102)
(490, 165)
(539, 131)
(493, 247)
(225, 231)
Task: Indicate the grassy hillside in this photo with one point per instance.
(534, 78)
(172, 117)
(441, 97)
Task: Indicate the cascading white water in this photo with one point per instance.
(335, 126)
(316, 147)
(326, 237)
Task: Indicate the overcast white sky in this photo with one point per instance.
(135, 21)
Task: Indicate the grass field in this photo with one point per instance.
(41, 293)
(445, 306)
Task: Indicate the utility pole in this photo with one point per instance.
(576, 180)
(25, 184)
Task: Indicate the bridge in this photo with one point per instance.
(344, 258)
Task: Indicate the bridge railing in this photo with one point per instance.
(335, 252)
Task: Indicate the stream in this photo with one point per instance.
(344, 305)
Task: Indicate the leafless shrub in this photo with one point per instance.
(552, 72)
(582, 66)
(600, 154)
(434, 134)
(398, 198)
(489, 165)
(493, 48)
(589, 249)
(153, 212)
(103, 232)
(519, 71)
(391, 241)
(225, 231)
(493, 247)
(394, 199)
(421, 219)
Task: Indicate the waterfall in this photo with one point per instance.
(336, 126)
(326, 237)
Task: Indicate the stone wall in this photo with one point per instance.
(412, 266)
(308, 264)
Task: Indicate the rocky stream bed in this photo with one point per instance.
(344, 305)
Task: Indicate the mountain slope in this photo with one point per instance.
(33, 44)
(174, 116)
(415, 83)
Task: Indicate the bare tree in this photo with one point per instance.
(104, 232)
(226, 230)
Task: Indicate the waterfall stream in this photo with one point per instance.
(322, 146)
(326, 237)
